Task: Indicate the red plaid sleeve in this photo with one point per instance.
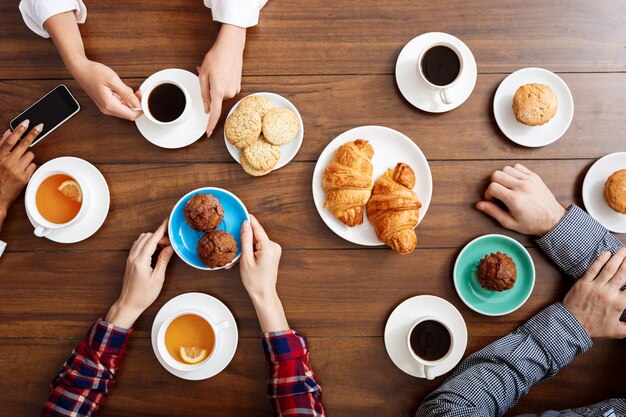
(83, 383)
(291, 383)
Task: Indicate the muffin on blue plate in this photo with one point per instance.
(203, 212)
(217, 248)
(497, 272)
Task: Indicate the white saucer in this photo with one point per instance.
(532, 136)
(215, 310)
(99, 207)
(390, 147)
(593, 192)
(189, 131)
(416, 91)
(288, 151)
(402, 319)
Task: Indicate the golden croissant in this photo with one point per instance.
(393, 209)
(347, 181)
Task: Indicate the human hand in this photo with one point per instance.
(16, 164)
(106, 89)
(259, 272)
(596, 300)
(220, 73)
(142, 284)
(532, 208)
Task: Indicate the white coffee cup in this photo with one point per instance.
(443, 92)
(42, 226)
(217, 326)
(429, 366)
(145, 95)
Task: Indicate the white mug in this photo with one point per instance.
(218, 328)
(42, 226)
(145, 95)
(429, 366)
(443, 92)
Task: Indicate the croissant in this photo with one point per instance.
(393, 209)
(347, 181)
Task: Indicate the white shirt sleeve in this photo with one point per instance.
(242, 13)
(3, 246)
(36, 12)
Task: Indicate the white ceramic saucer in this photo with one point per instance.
(99, 206)
(288, 151)
(593, 192)
(402, 319)
(532, 136)
(215, 310)
(416, 91)
(390, 147)
(189, 131)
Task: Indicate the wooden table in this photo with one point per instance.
(335, 61)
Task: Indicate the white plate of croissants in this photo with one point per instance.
(372, 186)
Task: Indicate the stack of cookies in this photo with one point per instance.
(260, 129)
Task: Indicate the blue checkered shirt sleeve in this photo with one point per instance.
(492, 380)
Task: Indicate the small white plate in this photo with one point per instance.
(288, 151)
(532, 136)
(99, 207)
(186, 133)
(214, 309)
(593, 192)
(390, 147)
(402, 319)
(416, 91)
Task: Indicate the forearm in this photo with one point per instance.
(269, 310)
(63, 30)
(576, 241)
(492, 380)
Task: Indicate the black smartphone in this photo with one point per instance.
(53, 109)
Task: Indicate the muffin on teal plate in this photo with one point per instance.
(482, 300)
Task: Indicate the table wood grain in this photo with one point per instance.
(335, 61)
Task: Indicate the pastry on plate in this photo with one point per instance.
(534, 104)
(242, 128)
(615, 191)
(496, 272)
(203, 212)
(347, 181)
(217, 248)
(280, 126)
(261, 155)
(257, 104)
(393, 209)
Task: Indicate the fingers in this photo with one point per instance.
(25, 161)
(493, 210)
(215, 113)
(514, 172)
(162, 261)
(4, 136)
(596, 266)
(164, 242)
(505, 179)
(204, 89)
(611, 267)
(153, 240)
(618, 279)
(12, 138)
(496, 190)
(247, 249)
(523, 169)
(23, 146)
(120, 107)
(259, 233)
(30, 170)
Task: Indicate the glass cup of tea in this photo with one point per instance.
(186, 335)
(166, 103)
(430, 342)
(52, 201)
(440, 66)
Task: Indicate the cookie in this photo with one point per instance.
(251, 171)
(257, 104)
(280, 126)
(262, 155)
(534, 104)
(615, 191)
(243, 128)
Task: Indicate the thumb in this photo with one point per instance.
(204, 89)
(161, 265)
(126, 94)
(493, 210)
(247, 249)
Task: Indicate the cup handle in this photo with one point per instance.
(446, 96)
(222, 325)
(429, 371)
(41, 231)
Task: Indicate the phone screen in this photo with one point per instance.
(52, 110)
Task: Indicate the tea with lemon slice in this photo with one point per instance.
(189, 339)
(59, 198)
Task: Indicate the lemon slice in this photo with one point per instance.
(192, 354)
(71, 190)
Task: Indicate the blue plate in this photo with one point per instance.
(185, 240)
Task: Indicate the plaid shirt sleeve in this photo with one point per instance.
(492, 380)
(83, 383)
(576, 241)
(291, 384)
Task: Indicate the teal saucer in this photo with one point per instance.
(493, 303)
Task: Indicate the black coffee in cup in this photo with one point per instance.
(440, 65)
(166, 102)
(430, 340)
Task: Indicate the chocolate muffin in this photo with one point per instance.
(497, 272)
(203, 212)
(217, 248)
